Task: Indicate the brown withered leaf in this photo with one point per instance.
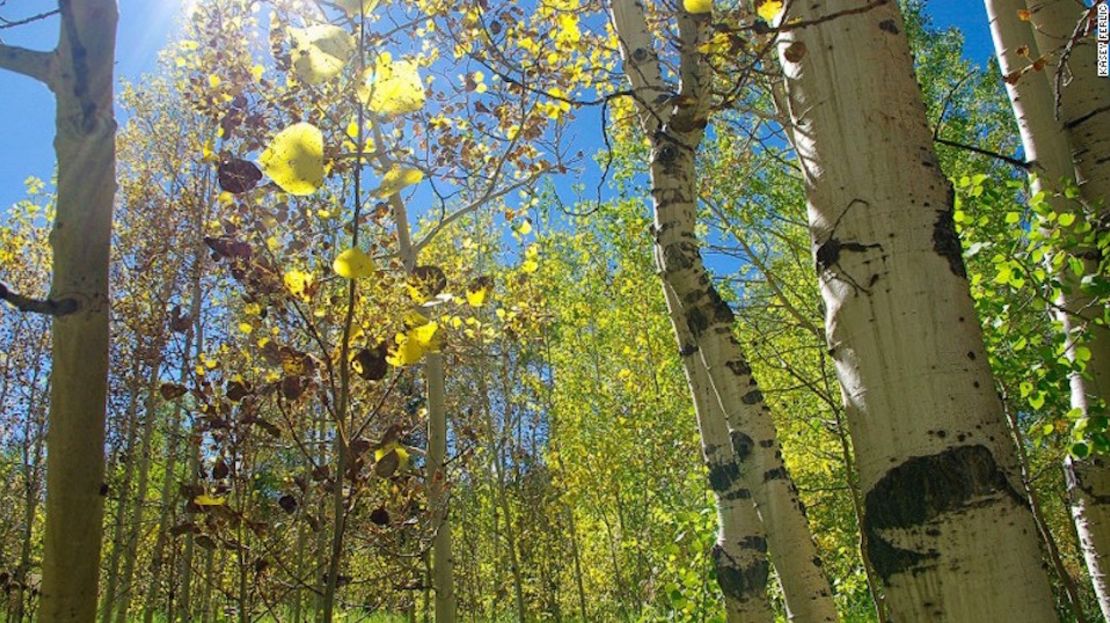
(171, 391)
(238, 176)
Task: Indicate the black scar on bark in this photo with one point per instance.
(721, 311)
(923, 488)
(739, 367)
(715, 310)
(946, 242)
(723, 475)
(741, 445)
(696, 321)
(753, 397)
(779, 473)
(679, 256)
(757, 543)
(737, 494)
(888, 25)
(736, 582)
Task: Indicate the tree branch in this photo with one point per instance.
(1021, 164)
(30, 63)
(641, 63)
(6, 23)
(46, 307)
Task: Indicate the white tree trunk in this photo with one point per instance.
(1046, 143)
(948, 529)
(443, 573)
(675, 128)
(1084, 97)
(80, 73)
(740, 555)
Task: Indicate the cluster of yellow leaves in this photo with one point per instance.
(531, 260)
(478, 291)
(421, 336)
(295, 159)
(769, 10)
(298, 283)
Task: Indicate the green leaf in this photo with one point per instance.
(1080, 450)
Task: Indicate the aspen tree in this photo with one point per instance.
(80, 74)
(949, 530)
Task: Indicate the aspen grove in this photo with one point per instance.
(732, 311)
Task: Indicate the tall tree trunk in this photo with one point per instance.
(32, 467)
(192, 445)
(443, 571)
(80, 73)
(1046, 143)
(111, 582)
(1084, 97)
(948, 528)
(131, 551)
(497, 440)
(443, 576)
(675, 131)
(740, 554)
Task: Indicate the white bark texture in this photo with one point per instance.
(740, 555)
(1060, 30)
(675, 125)
(444, 571)
(949, 531)
(81, 78)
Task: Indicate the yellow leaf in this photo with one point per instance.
(353, 264)
(769, 10)
(697, 6)
(207, 500)
(353, 9)
(298, 282)
(295, 159)
(530, 264)
(1024, 15)
(402, 453)
(478, 291)
(397, 179)
(320, 52)
(246, 327)
(394, 88)
(525, 227)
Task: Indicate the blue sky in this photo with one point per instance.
(27, 110)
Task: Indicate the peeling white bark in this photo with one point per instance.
(674, 124)
(948, 528)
